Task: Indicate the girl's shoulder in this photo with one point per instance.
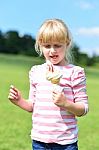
(36, 71)
(73, 68)
(77, 71)
(37, 67)
(78, 68)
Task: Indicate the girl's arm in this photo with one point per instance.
(78, 108)
(16, 98)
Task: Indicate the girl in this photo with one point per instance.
(54, 113)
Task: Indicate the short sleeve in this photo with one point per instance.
(79, 86)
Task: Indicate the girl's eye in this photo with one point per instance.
(47, 46)
(57, 46)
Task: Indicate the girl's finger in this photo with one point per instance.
(50, 66)
(13, 93)
(14, 90)
(12, 96)
(12, 87)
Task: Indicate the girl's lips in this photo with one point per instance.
(54, 56)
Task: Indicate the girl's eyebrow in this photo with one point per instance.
(52, 43)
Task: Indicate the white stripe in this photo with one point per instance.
(46, 128)
(51, 112)
(45, 95)
(42, 136)
(45, 87)
(41, 103)
(52, 120)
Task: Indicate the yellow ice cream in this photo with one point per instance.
(54, 76)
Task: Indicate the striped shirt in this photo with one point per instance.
(53, 124)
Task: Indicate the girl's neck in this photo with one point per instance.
(63, 62)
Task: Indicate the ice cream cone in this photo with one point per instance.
(55, 77)
(55, 81)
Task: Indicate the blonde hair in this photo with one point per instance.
(54, 30)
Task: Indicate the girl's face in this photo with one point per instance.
(54, 52)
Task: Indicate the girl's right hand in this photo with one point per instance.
(50, 67)
(14, 95)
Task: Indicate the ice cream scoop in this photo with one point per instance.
(54, 76)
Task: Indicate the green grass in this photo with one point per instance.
(89, 125)
(15, 124)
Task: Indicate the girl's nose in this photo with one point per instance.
(52, 49)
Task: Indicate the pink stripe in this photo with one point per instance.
(54, 124)
(78, 87)
(47, 108)
(68, 67)
(68, 92)
(66, 79)
(57, 133)
(54, 116)
(51, 139)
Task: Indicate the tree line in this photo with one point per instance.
(11, 42)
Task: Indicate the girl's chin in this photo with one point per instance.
(59, 63)
(54, 62)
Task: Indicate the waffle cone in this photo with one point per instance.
(55, 81)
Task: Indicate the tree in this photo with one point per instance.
(2, 42)
(75, 53)
(12, 42)
(28, 45)
(91, 60)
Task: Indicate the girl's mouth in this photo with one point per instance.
(54, 56)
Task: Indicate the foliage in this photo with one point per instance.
(83, 58)
(12, 43)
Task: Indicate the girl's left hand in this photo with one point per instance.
(59, 98)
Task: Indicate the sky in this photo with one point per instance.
(81, 17)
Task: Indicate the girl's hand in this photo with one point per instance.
(14, 95)
(50, 67)
(59, 98)
(16, 98)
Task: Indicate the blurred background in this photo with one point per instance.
(19, 24)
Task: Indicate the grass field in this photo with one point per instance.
(15, 124)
